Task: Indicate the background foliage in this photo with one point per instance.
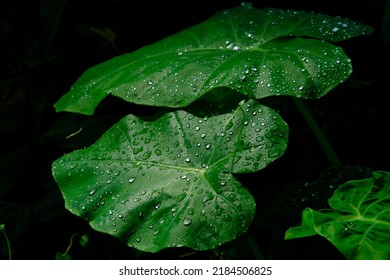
(46, 45)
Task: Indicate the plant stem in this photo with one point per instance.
(322, 140)
(2, 226)
(70, 244)
(255, 250)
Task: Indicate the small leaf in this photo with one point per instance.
(84, 240)
(358, 223)
(169, 182)
(259, 53)
(60, 256)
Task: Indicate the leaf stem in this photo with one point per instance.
(70, 244)
(322, 140)
(2, 226)
(255, 250)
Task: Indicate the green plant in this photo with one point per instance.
(359, 222)
(2, 229)
(83, 240)
(167, 180)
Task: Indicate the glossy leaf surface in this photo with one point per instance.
(169, 182)
(358, 223)
(256, 52)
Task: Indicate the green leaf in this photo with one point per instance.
(259, 53)
(358, 223)
(84, 240)
(60, 256)
(169, 182)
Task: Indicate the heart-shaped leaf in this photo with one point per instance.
(169, 182)
(358, 223)
(256, 52)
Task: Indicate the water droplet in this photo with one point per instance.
(131, 180)
(187, 222)
(226, 218)
(180, 197)
(187, 159)
(259, 138)
(273, 152)
(146, 155)
(207, 198)
(91, 192)
(208, 146)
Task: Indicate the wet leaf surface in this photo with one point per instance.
(358, 223)
(259, 53)
(170, 183)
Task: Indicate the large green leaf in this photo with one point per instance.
(256, 52)
(359, 223)
(168, 182)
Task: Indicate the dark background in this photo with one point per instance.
(44, 48)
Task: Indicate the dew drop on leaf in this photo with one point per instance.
(226, 218)
(180, 197)
(273, 152)
(259, 138)
(146, 155)
(187, 222)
